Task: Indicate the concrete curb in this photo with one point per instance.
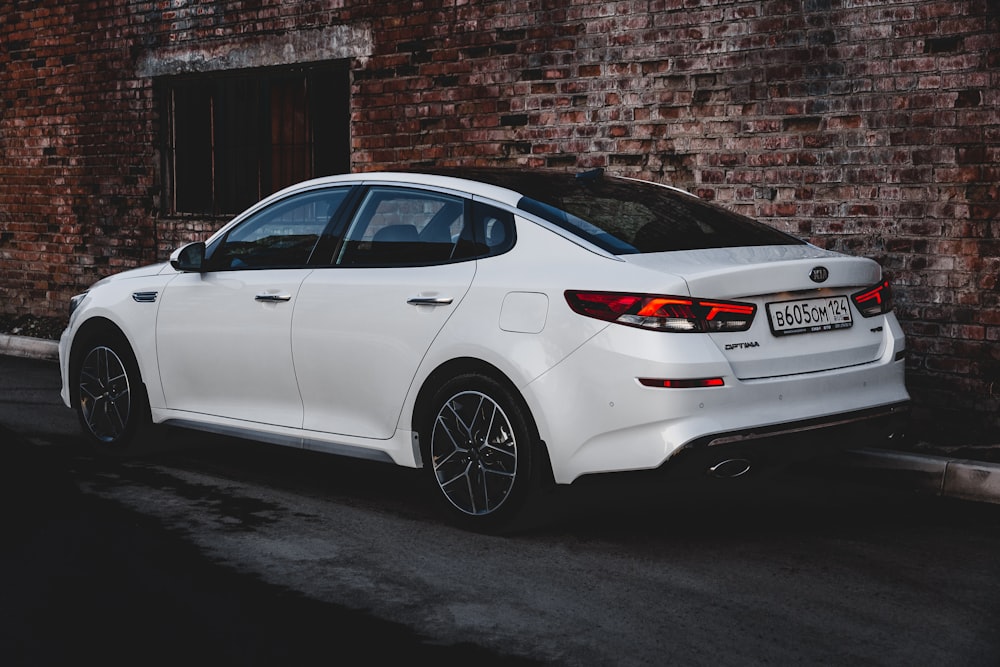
(954, 478)
(31, 348)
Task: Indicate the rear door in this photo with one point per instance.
(363, 325)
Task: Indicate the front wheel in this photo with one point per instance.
(481, 451)
(109, 395)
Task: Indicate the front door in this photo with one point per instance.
(224, 336)
(223, 343)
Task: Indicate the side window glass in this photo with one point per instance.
(493, 231)
(281, 236)
(399, 227)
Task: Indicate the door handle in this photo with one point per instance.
(430, 301)
(272, 298)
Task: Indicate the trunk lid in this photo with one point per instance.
(801, 325)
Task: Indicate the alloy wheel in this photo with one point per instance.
(474, 453)
(105, 396)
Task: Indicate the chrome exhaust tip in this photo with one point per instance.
(730, 468)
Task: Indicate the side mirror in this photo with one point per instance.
(189, 258)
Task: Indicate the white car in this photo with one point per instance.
(505, 330)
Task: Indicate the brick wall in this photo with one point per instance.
(868, 126)
(76, 145)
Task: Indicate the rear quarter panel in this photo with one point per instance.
(541, 266)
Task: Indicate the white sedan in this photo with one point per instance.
(503, 329)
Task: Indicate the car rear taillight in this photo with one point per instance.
(657, 312)
(874, 300)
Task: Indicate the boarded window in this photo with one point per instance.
(232, 140)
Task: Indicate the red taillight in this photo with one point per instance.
(663, 313)
(874, 300)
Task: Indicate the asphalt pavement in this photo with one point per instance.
(84, 579)
(967, 473)
(83, 576)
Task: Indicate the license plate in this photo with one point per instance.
(809, 315)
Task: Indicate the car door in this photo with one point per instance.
(362, 326)
(224, 335)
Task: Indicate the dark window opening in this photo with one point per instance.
(232, 140)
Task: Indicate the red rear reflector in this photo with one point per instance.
(682, 384)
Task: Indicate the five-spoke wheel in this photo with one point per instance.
(105, 397)
(109, 396)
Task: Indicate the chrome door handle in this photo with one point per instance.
(430, 301)
(271, 298)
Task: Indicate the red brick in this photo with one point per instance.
(881, 135)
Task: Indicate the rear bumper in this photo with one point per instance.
(596, 417)
(871, 425)
(791, 442)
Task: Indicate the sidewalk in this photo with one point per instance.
(966, 473)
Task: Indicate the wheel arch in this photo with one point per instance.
(118, 420)
(462, 365)
(87, 332)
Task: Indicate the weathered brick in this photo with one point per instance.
(876, 126)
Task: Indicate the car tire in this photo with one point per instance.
(482, 453)
(108, 393)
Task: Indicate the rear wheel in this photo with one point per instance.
(109, 395)
(482, 452)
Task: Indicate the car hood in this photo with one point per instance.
(141, 272)
(737, 272)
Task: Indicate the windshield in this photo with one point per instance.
(625, 216)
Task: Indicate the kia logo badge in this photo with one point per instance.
(819, 274)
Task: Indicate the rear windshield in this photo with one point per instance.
(625, 216)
